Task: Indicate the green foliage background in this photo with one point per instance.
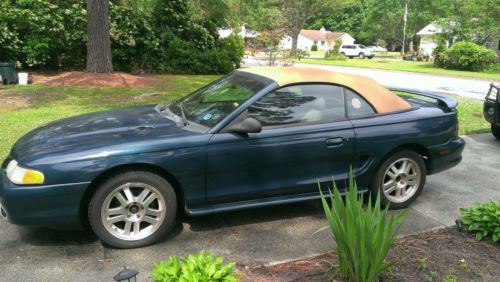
(164, 35)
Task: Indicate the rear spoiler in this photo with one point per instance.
(443, 101)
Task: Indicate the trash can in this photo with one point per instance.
(8, 73)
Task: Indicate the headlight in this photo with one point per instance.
(23, 176)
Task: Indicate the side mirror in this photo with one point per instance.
(248, 125)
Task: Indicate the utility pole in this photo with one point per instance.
(405, 19)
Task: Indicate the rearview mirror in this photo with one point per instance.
(248, 125)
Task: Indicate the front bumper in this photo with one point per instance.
(44, 205)
(447, 155)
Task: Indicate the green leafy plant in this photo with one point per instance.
(483, 220)
(363, 235)
(468, 56)
(314, 47)
(422, 263)
(197, 267)
(450, 278)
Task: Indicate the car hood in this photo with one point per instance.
(97, 134)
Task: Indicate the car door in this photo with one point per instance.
(305, 139)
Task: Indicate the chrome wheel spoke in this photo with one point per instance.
(152, 212)
(151, 220)
(149, 200)
(121, 199)
(116, 219)
(126, 229)
(128, 195)
(137, 228)
(143, 195)
(115, 211)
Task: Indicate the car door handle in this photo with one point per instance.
(334, 142)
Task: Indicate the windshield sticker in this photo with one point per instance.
(356, 103)
(207, 116)
(215, 116)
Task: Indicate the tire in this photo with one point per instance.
(401, 181)
(371, 57)
(351, 57)
(148, 210)
(361, 55)
(495, 130)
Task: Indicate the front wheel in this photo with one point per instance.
(133, 209)
(400, 179)
(495, 130)
(361, 55)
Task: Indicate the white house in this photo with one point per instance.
(325, 40)
(428, 40)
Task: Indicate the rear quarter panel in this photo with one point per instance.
(377, 136)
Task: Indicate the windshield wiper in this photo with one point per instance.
(184, 119)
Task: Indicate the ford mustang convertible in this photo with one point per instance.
(256, 137)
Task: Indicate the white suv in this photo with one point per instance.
(356, 50)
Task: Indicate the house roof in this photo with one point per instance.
(378, 96)
(319, 35)
(430, 29)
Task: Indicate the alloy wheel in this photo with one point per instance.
(133, 211)
(401, 180)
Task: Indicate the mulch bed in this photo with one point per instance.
(430, 256)
(85, 79)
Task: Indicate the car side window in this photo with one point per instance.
(357, 105)
(299, 104)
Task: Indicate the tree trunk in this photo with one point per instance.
(295, 39)
(98, 42)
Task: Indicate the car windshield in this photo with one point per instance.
(209, 105)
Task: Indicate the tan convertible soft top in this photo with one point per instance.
(378, 96)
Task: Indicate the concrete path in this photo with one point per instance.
(250, 237)
(465, 87)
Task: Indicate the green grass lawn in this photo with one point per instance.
(24, 108)
(420, 67)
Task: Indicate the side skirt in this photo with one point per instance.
(257, 203)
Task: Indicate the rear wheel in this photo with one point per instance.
(361, 55)
(133, 209)
(400, 179)
(495, 130)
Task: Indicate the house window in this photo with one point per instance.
(488, 44)
(322, 43)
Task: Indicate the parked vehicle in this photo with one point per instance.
(256, 137)
(377, 49)
(491, 109)
(356, 50)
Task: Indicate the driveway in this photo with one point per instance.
(465, 87)
(250, 237)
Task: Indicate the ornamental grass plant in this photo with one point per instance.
(363, 234)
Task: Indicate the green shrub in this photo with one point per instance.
(363, 235)
(199, 267)
(483, 219)
(468, 56)
(334, 53)
(314, 47)
(439, 54)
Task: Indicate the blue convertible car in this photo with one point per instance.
(256, 137)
